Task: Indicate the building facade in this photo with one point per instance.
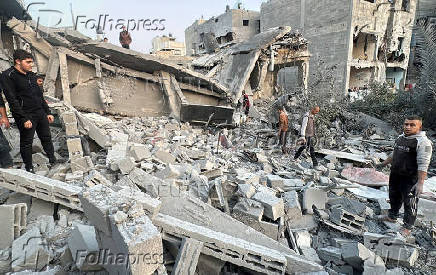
(235, 25)
(363, 40)
(167, 46)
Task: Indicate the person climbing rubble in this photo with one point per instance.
(28, 107)
(125, 38)
(283, 128)
(307, 134)
(409, 164)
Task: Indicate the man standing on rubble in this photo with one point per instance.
(307, 134)
(410, 161)
(125, 38)
(283, 128)
(28, 107)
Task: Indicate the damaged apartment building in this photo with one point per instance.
(365, 40)
(104, 78)
(235, 25)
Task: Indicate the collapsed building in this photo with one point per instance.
(233, 26)
(364, 40)
(254, 65)
(104, 78)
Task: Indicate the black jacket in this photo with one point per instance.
(23, 94)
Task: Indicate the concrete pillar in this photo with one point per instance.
(64, 77)
(52, 73)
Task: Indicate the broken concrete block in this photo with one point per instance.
(393, 249)
(209, 265)
(40, 208)
(310, 254)
(72, 177)
(275, 181)
(248, 178)
(136, 237)
(126, 165)
(100, 201)
(212, 174)
(249, 208)
(13, 223)
(165, 157)
(95, 178)
(139, 152)
(170, 172)
(39, 159)
(41, 187)
(346, 219)
(246, 190)
(75, 150)
(30, 251)
(374, 266)
(83, 164)
(313, 196)
(273, 207)
(292, 205)
(83, 242)
(187, 259)
(355, 254)
(331, 254)
(5, 261)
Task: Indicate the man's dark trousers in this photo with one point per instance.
(41, 126)
(126, 46)
(400, 192)
(309, 143)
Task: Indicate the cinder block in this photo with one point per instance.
(75, 150)
(40, 208)
(330, 253)
(384, 206)
(346, 219)
(83, 164)
(355, 254)
(165, 157)
(126, 165)
(95, 178)
(139, 152)
(273, 207)
(13, 223)
(246, 190)
(187, 259)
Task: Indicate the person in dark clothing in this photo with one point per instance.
(245, 103)
(125, 38)
(28, 107)
(307, 134)
(409, 164)
(5, 156)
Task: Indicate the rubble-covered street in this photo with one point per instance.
(159, 171)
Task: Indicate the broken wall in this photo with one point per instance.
(325, 24)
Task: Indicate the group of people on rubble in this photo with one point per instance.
(409, 161)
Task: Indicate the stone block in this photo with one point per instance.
(170, 172)
(248, 178)
(39, 159)
(74, 177)
(273, 207)
(331, 254)
(313, 196)
(384, 206)
(249, 208)
(30, 251)
(71, 129)
(246, 190)
(13, 223)
(213, 174)
(139, 152)
(292, 205)
(355, 254)
(187, 259)
(274, 181)
(83, 242)
(126, 165)
(75, 150)
(83, 164)
(165, 157)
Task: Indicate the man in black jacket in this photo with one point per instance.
(28, 107)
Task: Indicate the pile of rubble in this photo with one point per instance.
(152, 196)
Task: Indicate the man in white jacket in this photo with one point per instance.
(307, 134)
(410, 161)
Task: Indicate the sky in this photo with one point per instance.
(169, 16)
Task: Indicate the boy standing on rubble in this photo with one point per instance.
(28, 107)
(410, 161)
(307, 133)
